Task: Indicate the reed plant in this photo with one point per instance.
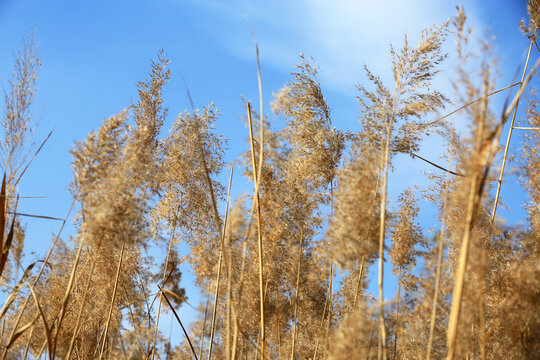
(285, 268)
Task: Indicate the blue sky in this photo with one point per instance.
(94, 52)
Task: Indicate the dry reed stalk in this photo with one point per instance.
(15, 290)
(33, 157)
(85, 294)
(475, 193)
(256, 179)
(60, 316)
(330, 305)
(297, 288)
(27, 347)
(133, 321)
(38, 276)
(257, 351)
(204, 326)
(241, 282)
(2, 215)
(259, 227)
(22, 330)
(328, 294)
(221, 251)
(261, 107)
(382, 223)
(214, 311)
(507, 146)
(439, 267)
(438, 274)
(180, 322)
(240, 287)
(358, 283)
(46, 327)
(229, 271)
(361, 272)
(476, 188)
(235, 335)
(371, 339)
(473, 102)
(526, 128)
(111, 307)
(7, 244)
(229, 292)
(497, 194)
(397, 320)
(163, 284)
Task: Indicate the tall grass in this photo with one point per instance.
(321, 201)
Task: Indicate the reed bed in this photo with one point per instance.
(285, 268)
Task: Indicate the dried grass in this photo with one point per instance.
(320, 200)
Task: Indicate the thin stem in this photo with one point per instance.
(180, 322)
(25, 303)
(382, 223)
(171, 239)
(370, 340)
(358, 283)
(436, 291)
(132, 318)
(472, 102)
(259, 229)
(240, 288)
(204, 326)
(475, 193)
(221, 252)
(435, 165)
(81, 308)
(322, 320)
(28, 343)
(439, 269)
(229, 301)
(525, 128)
(297, 289)
(32, 159)
(497, 193)
(214, 311)
(235, 334)
(330, 297)
(111, 307)
(397, 320)
(67, 294)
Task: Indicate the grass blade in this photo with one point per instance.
(179, 321)
(2, 214)
(21, 331)
(47, 329)
(15, 291)
(33, 157)
(6, 247)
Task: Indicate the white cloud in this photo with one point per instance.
(342, 35)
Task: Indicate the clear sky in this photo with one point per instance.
(94, 52)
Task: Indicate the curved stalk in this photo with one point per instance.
(507, 146)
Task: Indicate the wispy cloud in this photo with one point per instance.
(342, 36)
